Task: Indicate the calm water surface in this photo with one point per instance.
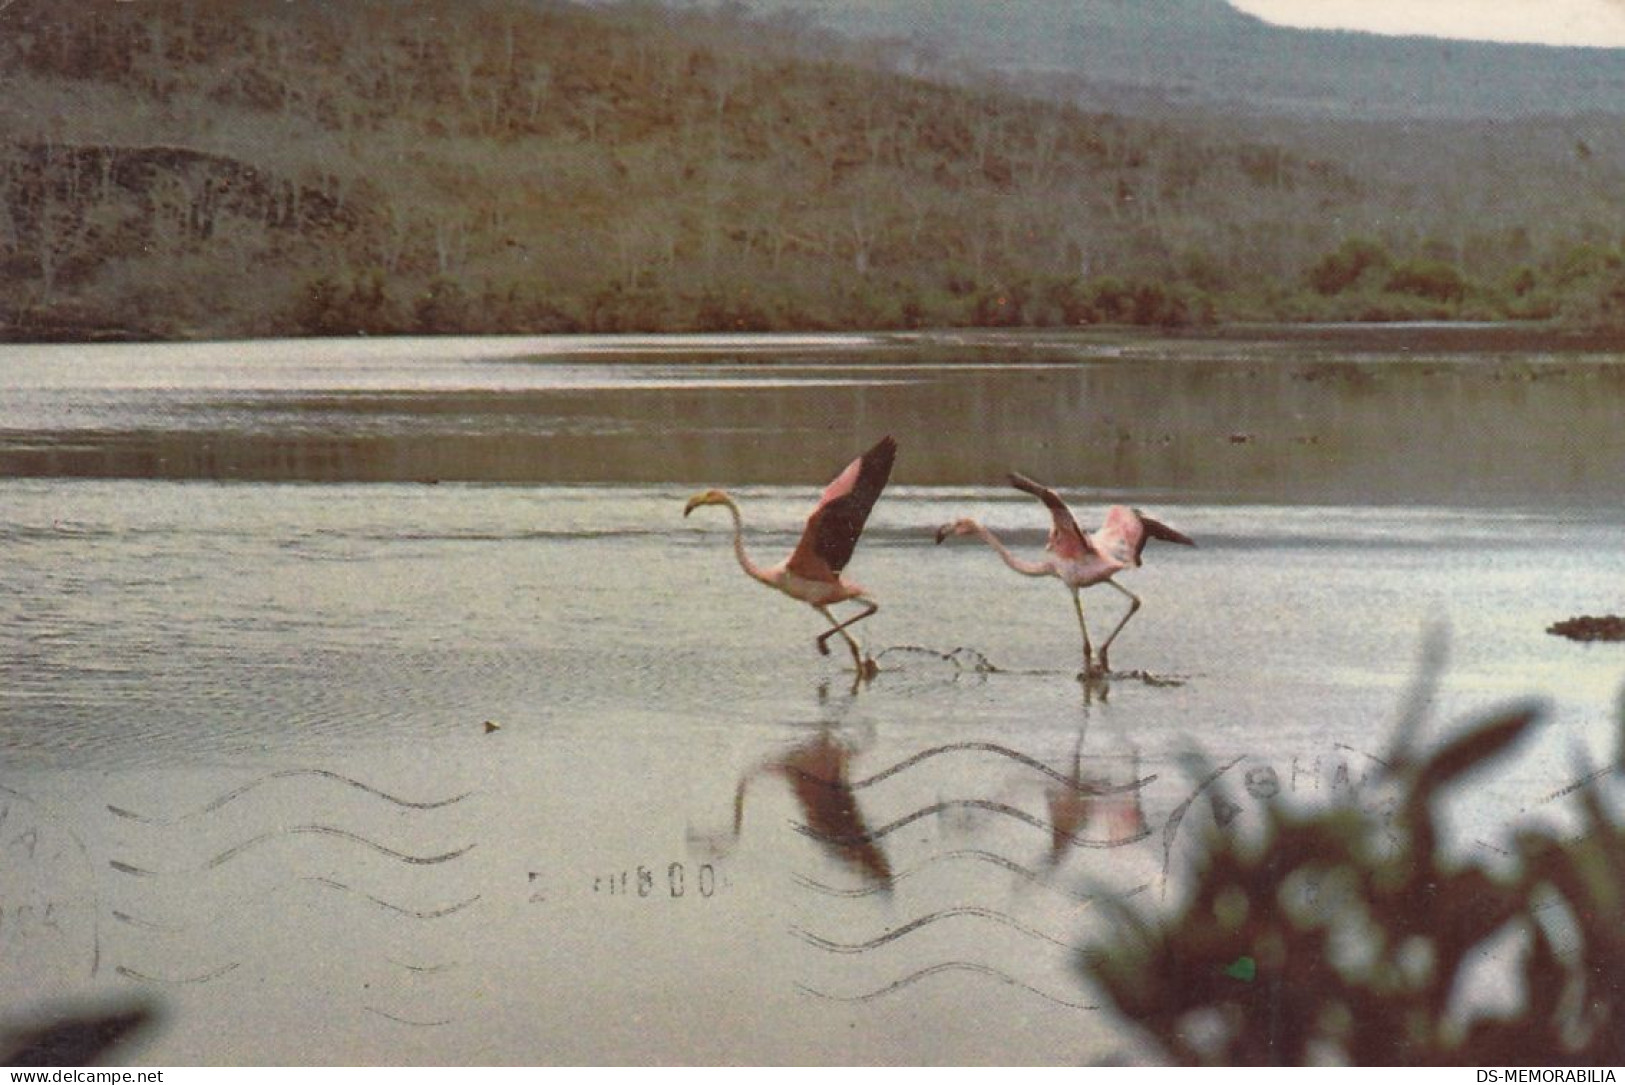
(375, 701)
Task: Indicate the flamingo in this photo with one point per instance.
(812, 572)
(1080, 560)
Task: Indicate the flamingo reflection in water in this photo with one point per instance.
(812, 572)
(819, 773)
(1083, 803)
(1080, 560)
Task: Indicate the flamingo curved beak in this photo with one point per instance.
(709, 497)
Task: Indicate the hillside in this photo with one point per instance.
(225, 168)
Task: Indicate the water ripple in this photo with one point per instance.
(963, 910)
(229, 796)
(939, 969)
(298, 830)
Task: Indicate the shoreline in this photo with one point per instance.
(1395, 337)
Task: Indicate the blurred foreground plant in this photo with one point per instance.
(1342, 936)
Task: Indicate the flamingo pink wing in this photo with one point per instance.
(833, 528)
(1131, 529)
(1066, 538)
(1121, 534)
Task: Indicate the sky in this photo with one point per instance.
(1547, 22)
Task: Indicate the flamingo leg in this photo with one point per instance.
(1133, 605)
(1088, 651)
(840, 627)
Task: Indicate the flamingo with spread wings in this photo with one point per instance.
(812, 572)
(1080, 560)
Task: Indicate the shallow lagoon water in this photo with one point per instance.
(249, 655)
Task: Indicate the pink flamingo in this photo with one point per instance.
(812, 572)
(1080, 560)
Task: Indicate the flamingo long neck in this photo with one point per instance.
(1025, 568)
(752, 570)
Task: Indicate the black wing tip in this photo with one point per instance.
(837, 524)
(877, 463)
(1048, 496)
(1159, 530)
(1025, 484)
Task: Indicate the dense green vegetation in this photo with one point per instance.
(261, 167)
(1352, 935)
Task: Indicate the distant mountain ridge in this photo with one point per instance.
(1149, 54)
